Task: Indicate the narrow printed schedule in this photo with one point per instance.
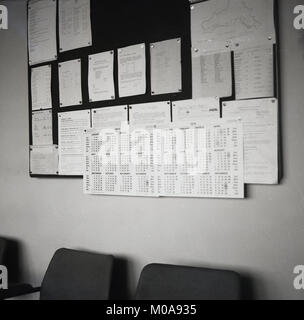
(71, 126)
(212, 75)
(254, 72)
(132, 70)
(42, 43)
(74, 24)
(104, 151)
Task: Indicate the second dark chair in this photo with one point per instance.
(168, 282)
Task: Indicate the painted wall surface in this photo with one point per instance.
(262, 236)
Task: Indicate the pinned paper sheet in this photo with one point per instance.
(132, 70)
(42, 128)
(74, 24)
(70, 89)
(260, 120)
(44, 160)
(154, 114)
(71, 126)
(254, 72)
(41, 87)
(42, 44)
(195, 112)
(101, 76)
(212, 75)
(166, 68)
(223, 25)
(112, 117)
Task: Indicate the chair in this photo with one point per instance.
(168, 282)
(7, 251)
(77, 275)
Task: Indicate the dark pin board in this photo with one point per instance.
(121, 23)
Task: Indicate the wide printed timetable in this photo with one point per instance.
(180, 161)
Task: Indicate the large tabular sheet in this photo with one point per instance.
(71, 127)
(223, 25)
(260, 120)
(166, 67)
(203, 161)
(74, 24)
(200, 161)
(42, 44)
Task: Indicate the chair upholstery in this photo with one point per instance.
(3, 246)
(168, 282)
(76, 275)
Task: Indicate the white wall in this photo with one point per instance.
(262, 236)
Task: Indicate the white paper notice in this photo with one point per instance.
(42, 128)
(74, 24)
(70, 89)
(71, 126)
(112, 117)
(223, 25)
(41, 87)
(132, 70)
(254, 73)
(212, 75)
(154, 115)
(260, 120)
(44, 160)
(101, 76)
(195, 112)
(42, 42)
(166, 68)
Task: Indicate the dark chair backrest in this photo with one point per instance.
(3, 246)
(77, 275)
(167, 282)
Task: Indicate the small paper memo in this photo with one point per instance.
(155, 114)
(41, 87)
(71, 126)
(110, 118)
(254, 73)
(70, 89)
(42, 43)
(195, 112)
(132, 70)
(166, 68)
(212, 75)
(44, 160)
(74, 24)
(42, 128)
(223, 25)
(101, 76)
(260, 121)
